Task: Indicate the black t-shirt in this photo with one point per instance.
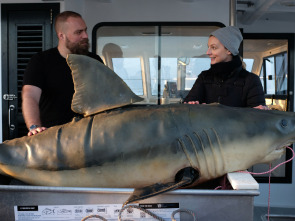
(49, 71)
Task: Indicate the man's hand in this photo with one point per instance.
(36, 130)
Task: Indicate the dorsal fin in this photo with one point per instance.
(97, 88)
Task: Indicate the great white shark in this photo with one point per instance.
(151, 148)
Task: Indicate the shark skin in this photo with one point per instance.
(153, 148)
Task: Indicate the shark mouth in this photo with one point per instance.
(285, 145)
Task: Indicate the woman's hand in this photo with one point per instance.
(192, 102)
(262, 107)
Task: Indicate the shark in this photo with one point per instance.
(120, 143)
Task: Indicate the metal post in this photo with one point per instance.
(233, 14)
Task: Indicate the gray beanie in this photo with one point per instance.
(230, 37)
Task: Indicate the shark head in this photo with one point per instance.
(282, 134)
(228, 139)
(260, 136)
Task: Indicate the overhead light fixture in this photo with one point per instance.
(288, 3)
(197, 46)
(188, 1)
(248, 3)
(154, 33)
(124, 46)
(105, 1)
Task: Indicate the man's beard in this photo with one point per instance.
(78, 48)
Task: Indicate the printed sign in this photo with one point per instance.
(107, 211)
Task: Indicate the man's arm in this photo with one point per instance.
(30, 107)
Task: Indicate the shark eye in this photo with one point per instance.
(284, 123)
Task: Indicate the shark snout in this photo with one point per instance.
(285, 136)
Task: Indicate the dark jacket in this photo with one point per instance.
(229, 84)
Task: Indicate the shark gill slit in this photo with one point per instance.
(88, 141)
(212, 151)
(59, 153)
(216, 151)
(188, 146)
(202, 148)
(183, 146)
(221, 166)
(181, 141)
(193, 147)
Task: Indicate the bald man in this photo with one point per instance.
(48, 86)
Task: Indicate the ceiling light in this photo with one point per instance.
(197, 46)
(288, 3)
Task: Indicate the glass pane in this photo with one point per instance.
(281, 73)
(129, 69)
(194, 68)
(261, 76)
(186, 47)
(249, 63)
(270, 75)
(168, 73)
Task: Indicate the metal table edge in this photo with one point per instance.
(6, 188)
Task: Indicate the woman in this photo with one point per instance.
(227, 82)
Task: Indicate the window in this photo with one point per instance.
(152, 57)
(276, 74)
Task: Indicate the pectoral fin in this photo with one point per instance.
(183, 178)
